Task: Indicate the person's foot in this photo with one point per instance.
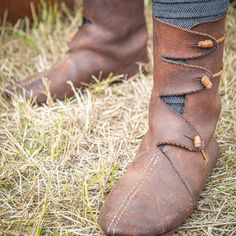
(161, 187)
(112, 39)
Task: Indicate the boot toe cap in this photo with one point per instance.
(139, 220)
(29, 88)
(150, 201)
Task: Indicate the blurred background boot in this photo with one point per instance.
(112, 39)
(15, 9)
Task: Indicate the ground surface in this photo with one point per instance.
(58, 162)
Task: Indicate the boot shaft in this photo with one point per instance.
(116, 28)
(187, 55)
(116, 15)
(186, 62)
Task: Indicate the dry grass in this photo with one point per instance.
(58, 162)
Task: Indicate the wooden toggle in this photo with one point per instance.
(198, 144)
(206, 80)
(209, 43)
(205, 44)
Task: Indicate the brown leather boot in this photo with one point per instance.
(18, 9)
(178, 152)
(112, 39)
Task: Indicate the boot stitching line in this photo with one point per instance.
(132, 192)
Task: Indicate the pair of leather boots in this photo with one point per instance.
(161, 186)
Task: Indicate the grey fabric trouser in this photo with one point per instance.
(184, 14)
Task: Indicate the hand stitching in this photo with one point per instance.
(136, 191)
(130, 193)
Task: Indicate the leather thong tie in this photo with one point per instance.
(183, 68)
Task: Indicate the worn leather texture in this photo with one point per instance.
(15, 9)
(161, 187)
(112, 40)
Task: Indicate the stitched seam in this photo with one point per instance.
(192, 28)
(39, 76)
(123, 202)
(193, 33)
(25, 83)
(186, 186)
(181, 93)
(213, 20)
(178, 114)
(130, 193)
(177, 145)
(173, 61)
(134, 194)
(182, 116)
